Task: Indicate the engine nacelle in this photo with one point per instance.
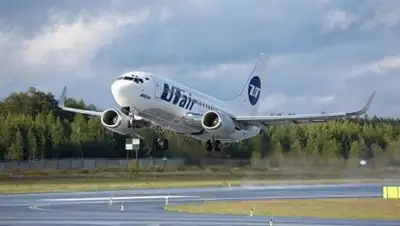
(116, 121)
(218, 123)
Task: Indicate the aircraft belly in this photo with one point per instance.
(176, 124)
(165, 118)
(157, 114)
(169, 118)
(207, 136)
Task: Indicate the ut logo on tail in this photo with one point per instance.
(254, 90)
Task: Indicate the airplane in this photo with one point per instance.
(147, 100)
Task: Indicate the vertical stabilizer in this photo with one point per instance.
(249, 98)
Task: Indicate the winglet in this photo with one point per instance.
(61, 101)
(365, 108)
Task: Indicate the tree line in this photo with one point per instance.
(33, 127)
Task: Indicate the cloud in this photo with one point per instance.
(324, 55)
(378, 67)
(385, 14)
(74, 45)
(338, 19)
(280, 103)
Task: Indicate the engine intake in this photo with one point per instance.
(111, 118)
(116, 121)
(119, 122)
(211, 120)
(218, 123)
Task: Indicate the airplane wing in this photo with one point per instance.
(61, 103)
(303, 118)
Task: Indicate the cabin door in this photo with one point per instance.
(158, 89)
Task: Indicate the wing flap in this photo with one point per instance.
(61, 102)
(304, 118)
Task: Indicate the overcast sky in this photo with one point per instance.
(325, 55)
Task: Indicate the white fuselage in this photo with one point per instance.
(172, 105)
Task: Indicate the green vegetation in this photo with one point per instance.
(66, 185)
(33, 127)
(49, 180)
(97, 181)
(350, 208)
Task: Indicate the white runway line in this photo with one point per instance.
(118, 198)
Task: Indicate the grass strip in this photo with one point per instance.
(348, 208)
(95, 184)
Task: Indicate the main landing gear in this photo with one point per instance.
(216, 145)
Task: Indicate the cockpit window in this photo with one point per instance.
(125, 78)
(139, 79)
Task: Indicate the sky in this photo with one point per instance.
(325, 55)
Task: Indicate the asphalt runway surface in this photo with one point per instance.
(146, 207)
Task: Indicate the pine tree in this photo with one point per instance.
(58, 136)
(79, 132)
(32, 143)
(18, 146)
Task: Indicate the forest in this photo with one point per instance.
(33, 127)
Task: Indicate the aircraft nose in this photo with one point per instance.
(119, 90)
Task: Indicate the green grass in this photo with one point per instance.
(29, 186)
(349, 208)
(35, 181)
(77, 184)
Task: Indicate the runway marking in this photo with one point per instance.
(139, 212)
(282, 197)
(120, 198)
(37, 207)
(196, 199)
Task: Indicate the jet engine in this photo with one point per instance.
(116, 121)
(218, 123)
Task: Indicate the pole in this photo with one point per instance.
(137, 159)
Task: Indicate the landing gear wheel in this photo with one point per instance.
(217, 145)
(209, 146)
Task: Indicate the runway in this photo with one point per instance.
(145, 207)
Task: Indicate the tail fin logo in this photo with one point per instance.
(254, 90)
